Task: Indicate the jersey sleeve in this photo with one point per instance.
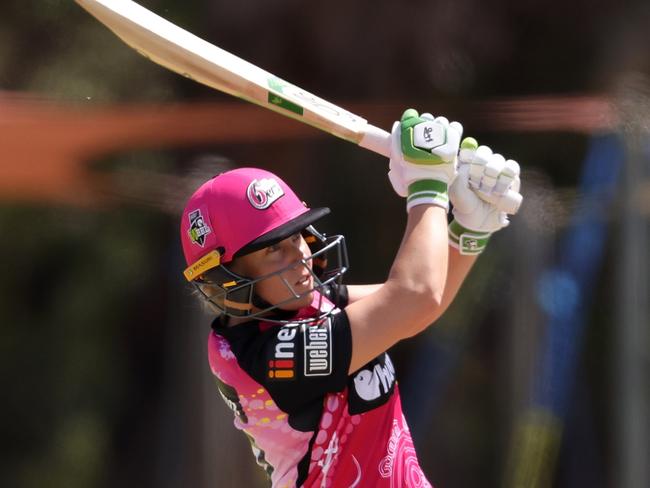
(298, 363)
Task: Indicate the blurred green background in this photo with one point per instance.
(537, 376)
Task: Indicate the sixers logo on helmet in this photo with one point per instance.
(262, 193)
(198, 228)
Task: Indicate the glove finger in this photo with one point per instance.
(463, 171)
(516, 185)
(454, 133)
(483, 155)
(475, 175)
(409, 114)
(427, 116)
(457, 127)
(450, 149)
(488, 197)
(508, 173)
(442, 121)
(491, 172)
(468, 147)
(477, 168)
(512, 168)
(509, 178)
(504, 181)
(466, 156)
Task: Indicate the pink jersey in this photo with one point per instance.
(309, 422)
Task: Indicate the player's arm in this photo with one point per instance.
(422, 165)
(458, 268)
(357, 292)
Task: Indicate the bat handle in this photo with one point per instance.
(378, 140)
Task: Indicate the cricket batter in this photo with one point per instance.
(299, 357)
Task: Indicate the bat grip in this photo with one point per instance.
(378, 141)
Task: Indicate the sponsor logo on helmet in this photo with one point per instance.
(262, 193)
(198, 228)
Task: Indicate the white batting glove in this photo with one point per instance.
(423, 158)
(483, 179)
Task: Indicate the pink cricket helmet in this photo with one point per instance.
(236, 213)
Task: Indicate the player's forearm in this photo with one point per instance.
(409, 300)
(458, 269)
(422, 259)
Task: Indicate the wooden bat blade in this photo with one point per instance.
(181, 51)
(178, 50)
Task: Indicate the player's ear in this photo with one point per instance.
(242, 265)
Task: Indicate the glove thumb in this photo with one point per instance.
(465, 201)
(396, 181)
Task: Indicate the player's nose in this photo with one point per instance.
(298, 250)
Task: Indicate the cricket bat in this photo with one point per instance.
(186, 54)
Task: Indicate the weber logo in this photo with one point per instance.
(318, 349)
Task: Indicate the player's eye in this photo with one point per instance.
(273, 248)
(278, 246)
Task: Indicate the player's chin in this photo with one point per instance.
(298, 303)
(305, 299)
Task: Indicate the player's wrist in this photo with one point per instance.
(467, 241)
(427, 192)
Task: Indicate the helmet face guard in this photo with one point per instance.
(234, 295)
(239, 212)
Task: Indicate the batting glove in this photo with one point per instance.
(423, 158)
(483, 179)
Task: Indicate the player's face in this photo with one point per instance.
(285, 254)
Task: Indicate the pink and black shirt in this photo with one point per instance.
(310, 423)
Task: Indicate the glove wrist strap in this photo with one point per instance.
(468, 242)
(433, 192)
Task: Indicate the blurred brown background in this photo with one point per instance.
(538, 374)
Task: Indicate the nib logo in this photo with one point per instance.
(281, 368)
(282, 365)
(198, 228)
